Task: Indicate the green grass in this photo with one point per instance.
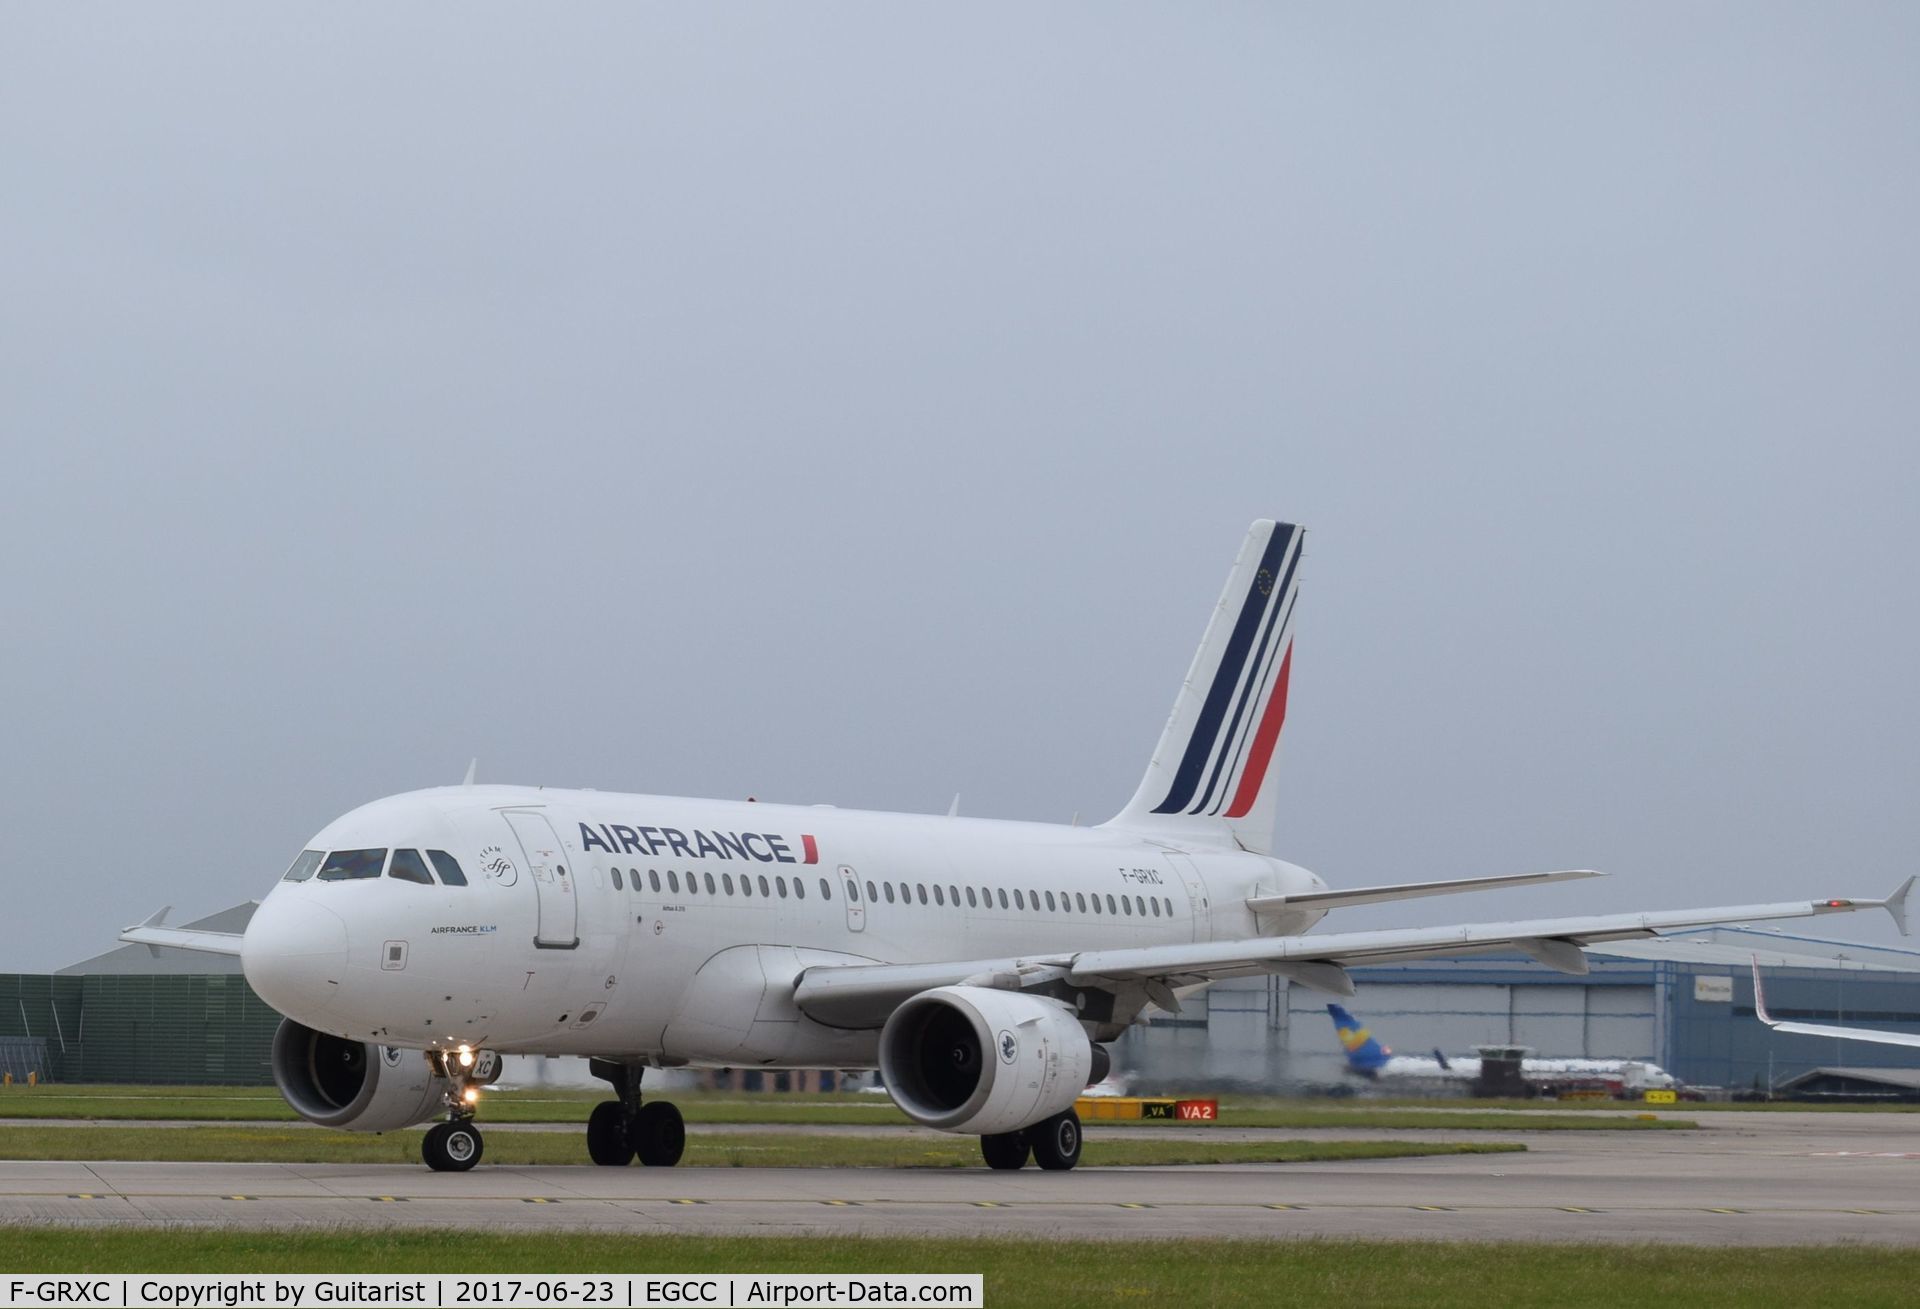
(729, 1150)
(1055, 1274)
(244, 1104)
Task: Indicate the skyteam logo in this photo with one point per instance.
(1009, 1047)
(764, 847)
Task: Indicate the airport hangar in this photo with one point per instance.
(172, 1017)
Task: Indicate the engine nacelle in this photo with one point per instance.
(335, 1082)
(971, 1059)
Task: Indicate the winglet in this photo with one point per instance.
(1896, 905)
(473, 766)
(157, 920)
(1760, 996)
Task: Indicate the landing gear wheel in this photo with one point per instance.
(659, 1136)
(1005, 1150)
(452, 1147)
(607, 1142)
(1056, 1141)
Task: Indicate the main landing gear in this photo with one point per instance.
(1053, 1142)
(620, 1130)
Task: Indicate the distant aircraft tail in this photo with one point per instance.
(1211, 774)
(1365, 1055)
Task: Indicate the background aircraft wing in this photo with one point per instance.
(1875, 1034)
(862, 995)
(153, 935)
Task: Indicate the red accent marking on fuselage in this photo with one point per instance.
(812, 850)
(1263, 742)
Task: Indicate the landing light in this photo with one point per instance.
(471, 1095)
(466, 1056)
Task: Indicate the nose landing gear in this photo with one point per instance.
(619, 1130)
(455, 1145)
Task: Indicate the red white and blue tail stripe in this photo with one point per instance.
(1213, 763)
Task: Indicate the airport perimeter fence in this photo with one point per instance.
(22, 1057)
(154, 1029)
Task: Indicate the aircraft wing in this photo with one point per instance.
(1878, 1035)
(1409, 890)
(861, 995)
(153, 935)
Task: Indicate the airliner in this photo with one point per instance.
(1367, 1058)
(981, 966)
(1878, 1035)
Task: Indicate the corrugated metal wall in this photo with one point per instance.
(153, 1029)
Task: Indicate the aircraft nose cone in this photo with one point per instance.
(294, 955)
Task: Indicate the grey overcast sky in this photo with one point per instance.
(863, 403)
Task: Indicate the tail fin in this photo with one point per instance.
(1365, 1055)
(1209, 775)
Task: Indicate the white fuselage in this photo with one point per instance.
(560, 942)
(1628, 1074)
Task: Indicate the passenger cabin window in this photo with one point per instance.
(303, 867)
(826, 892)
(408, 866)
(352, 865)
(888, 888)
(872, 894)
(726, 880)
(971, 902)
(449, 868)
(653, 879)
(710, 886)
(1003, 897)
(618, 883)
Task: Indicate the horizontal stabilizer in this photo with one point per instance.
(1267, 904)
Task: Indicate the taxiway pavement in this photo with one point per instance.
(1743, 1179)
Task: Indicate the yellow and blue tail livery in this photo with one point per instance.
(1365, 1055)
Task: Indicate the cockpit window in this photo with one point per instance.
(448, 867)
(303, 866)
(408, 866)
(352, 865)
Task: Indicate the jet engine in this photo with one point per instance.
(975, 1060)
(349, 1084)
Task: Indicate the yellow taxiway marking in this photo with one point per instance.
(1130, 1204)
(686, 1202)
(1576, 1209)
(988, 1204)
(842, 1204)
(243, 1197)
(1286, 1206)
(1726, 1211)
(83, 1195)
(1434, 1208)
(388, 1199)
(536, 1199)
